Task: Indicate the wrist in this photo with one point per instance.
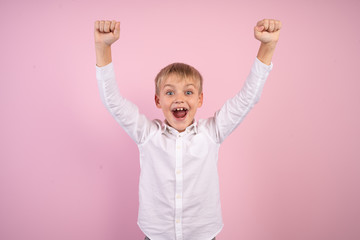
(102, 46)
(266, 52)
(269, 45)
(103, 54)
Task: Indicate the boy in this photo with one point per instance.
(179, 188)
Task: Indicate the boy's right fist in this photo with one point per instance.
(106, 32)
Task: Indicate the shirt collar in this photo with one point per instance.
(191, 128)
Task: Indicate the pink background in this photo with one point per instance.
(290, 171)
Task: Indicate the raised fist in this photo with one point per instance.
(267, 30)
(106, 32)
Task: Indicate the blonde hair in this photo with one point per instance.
(179, 69)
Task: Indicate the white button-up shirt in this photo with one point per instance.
(179, 196)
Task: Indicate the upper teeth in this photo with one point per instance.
(179, 109)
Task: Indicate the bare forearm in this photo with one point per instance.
(266, 52)
(103, 55)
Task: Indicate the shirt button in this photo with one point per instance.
(177, 220)
(178, 172)
(178, 147)
(178, 196)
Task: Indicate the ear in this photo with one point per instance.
(201, 98)
(157, 101)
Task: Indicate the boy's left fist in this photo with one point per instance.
(267, 30)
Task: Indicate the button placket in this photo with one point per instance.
(178, 188)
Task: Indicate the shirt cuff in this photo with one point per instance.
(104, 71)
(109, 65)
(260, 68)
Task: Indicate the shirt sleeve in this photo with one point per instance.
(235, 109)
(124, 112)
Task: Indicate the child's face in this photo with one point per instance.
(179, 99)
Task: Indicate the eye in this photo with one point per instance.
(188, 92)
(170, 93)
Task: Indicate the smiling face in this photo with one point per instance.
(179, 99)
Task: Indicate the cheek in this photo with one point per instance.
(196, 101)
(165, 103)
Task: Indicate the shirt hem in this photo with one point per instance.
(147, 235)
(213, 236)
(222, 226)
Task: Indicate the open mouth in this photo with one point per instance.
(179, 112)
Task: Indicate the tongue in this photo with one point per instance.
(180, 114)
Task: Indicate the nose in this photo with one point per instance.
(179, 98)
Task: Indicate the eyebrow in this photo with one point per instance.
(170, 85)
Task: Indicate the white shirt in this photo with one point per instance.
(179, 196)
